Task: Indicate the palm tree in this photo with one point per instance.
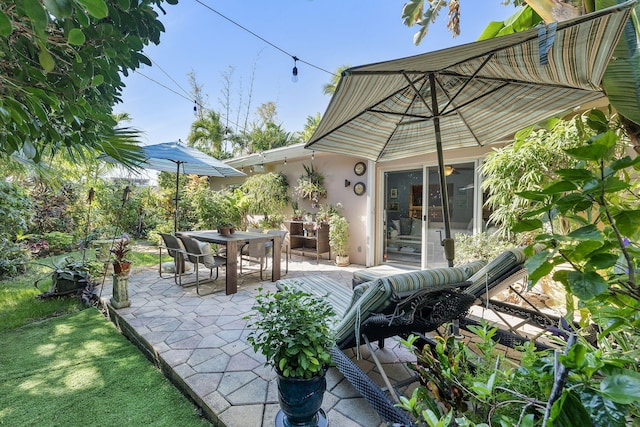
(330, 88)
(310, 127)
(208, 134)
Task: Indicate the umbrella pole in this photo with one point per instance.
(175, 215)
(447, 242)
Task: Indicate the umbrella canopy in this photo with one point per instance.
(176, 157)
(470, 95)
(169, 156)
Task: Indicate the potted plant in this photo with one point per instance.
(311, 186)
(226, 228)
(70, 275)
(339, 238)
(120, 249)
(292, 330)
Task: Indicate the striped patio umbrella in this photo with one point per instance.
(470, 95)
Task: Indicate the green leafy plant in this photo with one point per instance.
(59, 241)
(311, 186)
(121, 248)
(266, 195)
(339, 234)
(292, 330)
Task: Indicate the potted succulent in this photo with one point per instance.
(292, 329)
(120, 249)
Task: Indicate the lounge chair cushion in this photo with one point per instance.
(369, 274)
(499, 266)
(354, 306)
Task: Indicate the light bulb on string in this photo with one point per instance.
(294, 76)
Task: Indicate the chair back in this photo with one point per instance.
(281, 233)
(198, 252)
(172, 244)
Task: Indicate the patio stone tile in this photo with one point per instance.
(202, 383)
(155, 337)
(189, 342)
(164, 324)
(242, 362)
(230, 335)
(216, 363)
(242, 416)
(233, 381)
(336, 418)
(176, 357)
(360, 408)
(189, 324)
(345, 390)
(180, 335)
(272, 391)
(216, 402)
(184, 370)
(205, 321)
(270, 412)
(252, 393)
(199, 356)
(212, 341)
(235, 347)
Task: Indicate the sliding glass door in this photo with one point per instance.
(413, 222)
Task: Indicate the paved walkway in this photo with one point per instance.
(200, 344)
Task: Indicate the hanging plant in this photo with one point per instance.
(311, 186)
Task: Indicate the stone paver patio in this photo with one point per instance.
(200, 344)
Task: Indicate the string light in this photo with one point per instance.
(285, 160)
(294, 77)
(313, 155)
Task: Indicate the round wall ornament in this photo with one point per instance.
(359, 188)
(360, 168)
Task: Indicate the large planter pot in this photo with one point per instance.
(65, 286)
(342, 260)
(300, 401)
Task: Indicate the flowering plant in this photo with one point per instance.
(120, 248)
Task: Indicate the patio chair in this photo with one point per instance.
(283, 245)
(199, 253)
(175, 249)
(261, 252)
(254, 252)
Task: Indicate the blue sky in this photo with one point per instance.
(325, 33)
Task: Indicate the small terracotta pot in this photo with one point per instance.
(122, 268)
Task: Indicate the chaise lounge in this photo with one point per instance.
(401, 304)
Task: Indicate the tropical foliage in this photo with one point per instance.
(62, 68)
(266, 195)
(527, 164)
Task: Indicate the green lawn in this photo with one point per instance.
(64, 364)
(77, 369)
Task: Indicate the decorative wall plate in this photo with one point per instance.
(359, 188)
(360, 168)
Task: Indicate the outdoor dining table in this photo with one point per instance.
(233, 242)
